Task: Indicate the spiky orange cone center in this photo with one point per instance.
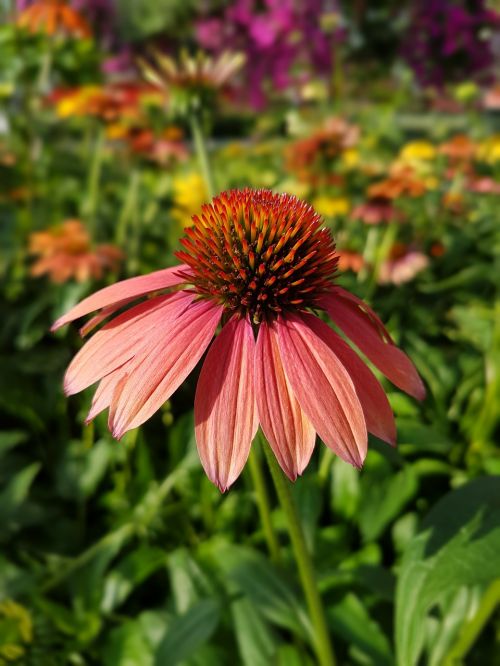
(259, 254)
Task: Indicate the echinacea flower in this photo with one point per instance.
(191, 80)
(403, 264)
(377, 210)
(65, 252)
(401, 182)
(260, 266)
(54, 17)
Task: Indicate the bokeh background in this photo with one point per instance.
(385, 116)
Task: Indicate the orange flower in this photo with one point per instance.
(401, 182)
(458, 149)
(350, 261)
(110, 103)
(454, 201)
(311, 158)
(64, 253)
(54, 17)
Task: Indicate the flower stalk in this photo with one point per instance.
(202, 153)
(322, 641)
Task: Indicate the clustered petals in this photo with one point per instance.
(273, 361)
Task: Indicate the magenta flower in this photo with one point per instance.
(258, 265)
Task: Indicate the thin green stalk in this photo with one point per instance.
(263, 504)
(202, 154)
(90, 202)
(471, 630)
(322, 642)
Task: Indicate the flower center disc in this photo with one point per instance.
(259, 253)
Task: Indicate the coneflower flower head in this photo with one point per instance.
(259, 266)
(191, 82)
(259, 254)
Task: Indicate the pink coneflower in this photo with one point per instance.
(377, 210)
(257, 265)
(403, 265)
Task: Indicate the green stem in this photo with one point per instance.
(472, 629)
(322, 641)
(89, 206)
(263, 504)
(202, 154)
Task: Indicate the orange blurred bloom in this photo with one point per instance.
(65, 252)
(401, 182)
(454, 202)
(161, 149)
(312, 158)
(54, 17)
(350, 261)
(458, 149)
(110, 103)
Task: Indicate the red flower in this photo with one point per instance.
(257, 264)
(54, 17)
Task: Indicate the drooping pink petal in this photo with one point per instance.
(224, 406)
(361, 325)
(323, 388)
(104, 392)
(121, 339)
(157, 371)
(286, 427)
(126, 289)
(376, 408)
(101, 316)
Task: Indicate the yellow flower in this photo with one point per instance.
(293, 186)
(331, 206)
(417, 151)
(76, 102)
(350, 158)
(189, 193)
(489, 150)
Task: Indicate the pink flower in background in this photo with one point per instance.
(257, 266)
(403, 265)
(376, 211)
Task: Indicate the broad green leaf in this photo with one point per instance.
(256, 642)
(457, 546)
(354, 623)
(127, 646)
(189, 582)
(345, 489)
(384, 493)
(14, 495)
(187, 632)
(11, 438)
(265, 586)
(129, 573)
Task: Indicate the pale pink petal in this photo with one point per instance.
(101, 316)
(360, 323)
(104, 393)
(224, 406)
(323, 388)
(126, 289)
(376, 408)
(122, 338)
(169, 356)
(286, 427)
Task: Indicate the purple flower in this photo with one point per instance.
(448, 42)
(280, 38)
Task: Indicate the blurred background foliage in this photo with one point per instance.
(123, 553)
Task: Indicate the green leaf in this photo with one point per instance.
(189, 582)
(15, 494)
(130, 573)
(11, 438)
(457, 546)
(345, 489)
(187, 632)
(127, 646)
(256, 642)
(384, 493)
(265, 586)
(351, 621)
